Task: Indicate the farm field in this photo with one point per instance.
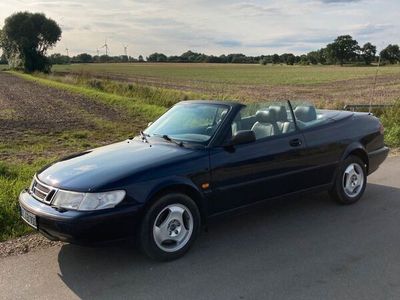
(347, 84)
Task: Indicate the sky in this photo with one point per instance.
(213, 26)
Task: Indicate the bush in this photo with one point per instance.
(391, 121)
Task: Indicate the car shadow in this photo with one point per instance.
(279, 236)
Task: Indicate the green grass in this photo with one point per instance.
(3, 67)
(390, 119)
(14, 177)
(230, 73)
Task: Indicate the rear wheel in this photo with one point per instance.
(170, 227)
(351, 181)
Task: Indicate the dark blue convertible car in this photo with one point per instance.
(201, 159)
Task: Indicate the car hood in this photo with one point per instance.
(94, 169)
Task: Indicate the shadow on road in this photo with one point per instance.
(306, 243)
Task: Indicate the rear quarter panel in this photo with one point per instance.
(329, 144)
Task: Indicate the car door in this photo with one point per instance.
(270, 166)
(322, 138)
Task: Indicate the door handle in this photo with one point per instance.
(295, 142)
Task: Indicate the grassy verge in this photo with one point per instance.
(391, 121)
(13, 178)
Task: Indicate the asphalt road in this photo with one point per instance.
(299, 248)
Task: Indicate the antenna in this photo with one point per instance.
(105, 46)
(375, 83)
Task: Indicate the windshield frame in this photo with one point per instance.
(206, 143)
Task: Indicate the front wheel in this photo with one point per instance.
(350, 182)
(169, 227)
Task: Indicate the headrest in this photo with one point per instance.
(268, 116)
(280, 111)
(222, 116)
(305, 113)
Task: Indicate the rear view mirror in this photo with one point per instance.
(243, 137)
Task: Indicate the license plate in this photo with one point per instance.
(28, 217)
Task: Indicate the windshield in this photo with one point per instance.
(190, 122)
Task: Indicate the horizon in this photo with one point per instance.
(213, 28)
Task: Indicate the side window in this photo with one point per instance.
(265, 119)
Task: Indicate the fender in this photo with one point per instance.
(170, 182)
(355, 146)
(147, 191)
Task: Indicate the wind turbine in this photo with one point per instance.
(105, 46)
(126, 50)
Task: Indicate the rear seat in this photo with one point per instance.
(305, 115)
(282, 118)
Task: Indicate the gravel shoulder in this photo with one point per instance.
(25, 244)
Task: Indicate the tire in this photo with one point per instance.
(169, 227)
(350, 181)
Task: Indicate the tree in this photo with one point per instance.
(140, 58)
(391, 54)
(368, 52)
(276, 59)
(25, 39)
(157, 57)
(83, 58)
(343, 49)
(288, 58)
(59, 59)
(313, 57)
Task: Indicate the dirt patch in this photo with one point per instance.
(25, 244)
(29, 107)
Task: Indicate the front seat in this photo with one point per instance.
(266, 124)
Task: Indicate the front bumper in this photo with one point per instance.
(81, 227)
(376, 157)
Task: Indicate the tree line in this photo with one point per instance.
(343, 50)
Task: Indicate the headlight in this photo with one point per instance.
(87, 201)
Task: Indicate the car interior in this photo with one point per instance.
(276, 120)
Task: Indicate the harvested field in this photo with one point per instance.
(253, 82)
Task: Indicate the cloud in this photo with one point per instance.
(251, 9)
(370, 29)
(229, 43)
(339, 1)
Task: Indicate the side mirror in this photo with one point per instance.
(243, 137)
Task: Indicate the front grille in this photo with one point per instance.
(41, 192)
